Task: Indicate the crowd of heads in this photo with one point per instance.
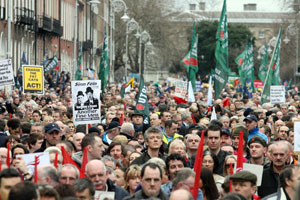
(134, 160)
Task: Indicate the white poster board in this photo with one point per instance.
(43, 159)
(181, 89)
(6, 73)
(277, 94)
(86, 101)
(102, 195)
(296, 136)
(255, 169)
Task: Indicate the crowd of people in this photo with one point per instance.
(148, 161)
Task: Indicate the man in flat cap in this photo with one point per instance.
(91, 102)
(244, 183)
(79, 103)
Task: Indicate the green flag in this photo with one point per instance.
(273, 71)
(190, 61)
(276, 62)
(221, 53)
(142, 106)
(246, 69)
(263, 68)
(104, 66)
(79, 65)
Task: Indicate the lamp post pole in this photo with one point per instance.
(147, 45)
(144, 37)
(115, 6)
(75, 40)
(130, 26)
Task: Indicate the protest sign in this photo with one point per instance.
(172, 81)
(277, 94)
(33, 79)
(43, 159)
(255, 169)
(86, 101)
(296, 136)
(102, 195)
(6, 73)
(180, 89)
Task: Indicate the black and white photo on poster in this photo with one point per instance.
(86, 101)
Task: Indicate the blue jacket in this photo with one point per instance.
(255, 132)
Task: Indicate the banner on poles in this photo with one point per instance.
(277, 94)
(86, 101)
(6, 73)
(181, 89)
(33, 79)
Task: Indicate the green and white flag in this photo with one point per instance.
(104, 65)
(263, 68)
(142, 106)
(273, 71)
(190, 61)
(221, 53)
(78, 74)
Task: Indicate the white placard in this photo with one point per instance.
(172, 81)
(102, 195)
(181, 89)
(43, 159)
(296, 136)
(6, 73)
(277, 94)
(255, 169)
(86, 101)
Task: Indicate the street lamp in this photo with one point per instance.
(115, 6)
(130, 26)
(148, 45)
(143, 38)
(292, 29)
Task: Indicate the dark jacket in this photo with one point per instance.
(144, 158)
(120, 193)
(270, 182)
(141, 195)
(3, 137)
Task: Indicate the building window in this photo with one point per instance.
(250, 7)
(192, 6)
(202, 6)
(261, 34)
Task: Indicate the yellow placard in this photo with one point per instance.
(33, 79)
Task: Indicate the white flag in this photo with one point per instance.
(191, 96)
(209, 93)
(213, 114)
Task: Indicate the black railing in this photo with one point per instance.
(45, 24)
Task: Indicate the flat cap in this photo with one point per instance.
(244, 176)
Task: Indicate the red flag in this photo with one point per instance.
(8, 155)
(9, 115)
(240, 158)
(179, 100)
(83, 163)
(121, 119)
(230, 182)
(197, 167)
(56, 160)
(67, 158)
(35, 169)
(226, 102)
